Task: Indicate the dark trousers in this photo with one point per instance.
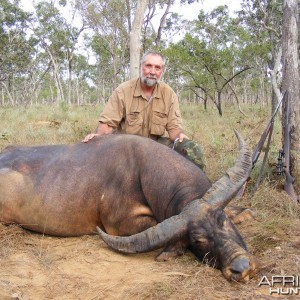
(188, 148)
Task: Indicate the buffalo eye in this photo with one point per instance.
(221, 218)
(199, 238)
(202, 241)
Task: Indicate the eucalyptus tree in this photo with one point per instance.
(109, 23)
(207, 56)
(84, 91)
(58, 40)
(290, 61)
(263, 19)
(16, 48)
(135, 37)
(168, 27)
(170, 24)
(274, 25)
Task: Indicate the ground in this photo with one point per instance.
(34, 266)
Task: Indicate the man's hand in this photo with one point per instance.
(182, 136)
(101, 130)
(89, 137)
(177, 134)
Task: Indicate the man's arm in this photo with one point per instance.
(109, 118)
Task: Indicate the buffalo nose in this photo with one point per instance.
(240, 265)
(239, 268)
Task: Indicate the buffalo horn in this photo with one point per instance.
(222, 191)
(152, 238)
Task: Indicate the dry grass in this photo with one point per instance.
(273, 237)
(46, 125)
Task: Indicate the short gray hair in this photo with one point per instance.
(150, 52)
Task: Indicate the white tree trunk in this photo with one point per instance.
(135, 38)
(291, 77)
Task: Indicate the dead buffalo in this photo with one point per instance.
(143, 194)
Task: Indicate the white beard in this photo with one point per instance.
(149, 81)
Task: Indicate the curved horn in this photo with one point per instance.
(152, 238)
(222, 191)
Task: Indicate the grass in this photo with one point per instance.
(35, 125)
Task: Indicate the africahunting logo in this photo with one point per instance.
(281, 284)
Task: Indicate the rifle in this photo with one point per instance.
(284, 156)
(256, 153)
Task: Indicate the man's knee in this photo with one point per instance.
(192, 151)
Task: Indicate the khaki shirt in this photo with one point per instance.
(129, 111)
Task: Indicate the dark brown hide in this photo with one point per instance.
(121, 183)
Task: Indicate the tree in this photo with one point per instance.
(263, 18)
(108, 35)
(291, 78)
(135, 38)
(58, 41)
(16, 49)
(207, 56)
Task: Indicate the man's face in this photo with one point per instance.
(152, 69)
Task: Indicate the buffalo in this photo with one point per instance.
(138, 194)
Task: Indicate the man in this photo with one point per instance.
(148, 107)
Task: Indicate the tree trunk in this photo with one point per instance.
(291, 78)
(12, 101)
(135, 38)
(60, 94)
(70, 88)
(162, 23)
(274, 77)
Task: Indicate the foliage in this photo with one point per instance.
(15, 47)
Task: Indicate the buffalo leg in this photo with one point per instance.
(172, 251)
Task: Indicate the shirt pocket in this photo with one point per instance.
(159, 122)
(134, 122)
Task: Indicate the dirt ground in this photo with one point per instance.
(34, 266)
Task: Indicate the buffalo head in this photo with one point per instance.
(205, 227)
